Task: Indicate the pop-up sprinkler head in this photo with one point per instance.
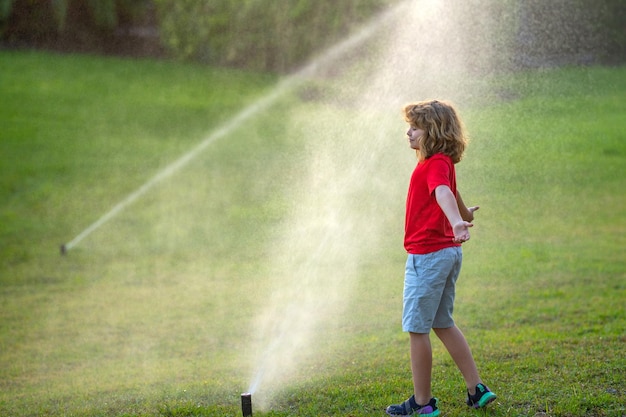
(246, 404)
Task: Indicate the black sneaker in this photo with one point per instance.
(411, 408)
(482, 397)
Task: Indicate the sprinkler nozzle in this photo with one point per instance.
(246, 404)
(63, 249)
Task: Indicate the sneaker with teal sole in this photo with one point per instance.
(481, 398)
(411, 408)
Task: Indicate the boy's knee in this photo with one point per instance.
(443, 330)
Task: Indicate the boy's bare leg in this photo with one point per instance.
(456, 344)
(421, 366)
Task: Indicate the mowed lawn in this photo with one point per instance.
(154, 312)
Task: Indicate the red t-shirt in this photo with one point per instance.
(426, 228)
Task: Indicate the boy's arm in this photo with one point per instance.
(467, 213)
(448, 203)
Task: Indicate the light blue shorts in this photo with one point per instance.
(429, 287)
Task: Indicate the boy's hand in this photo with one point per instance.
(470, 213)
(461, 231)
(467, 213)
(456, 212)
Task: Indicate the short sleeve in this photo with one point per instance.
(439, 173)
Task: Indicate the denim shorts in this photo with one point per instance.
(429, 287)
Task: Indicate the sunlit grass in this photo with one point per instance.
(151, 314)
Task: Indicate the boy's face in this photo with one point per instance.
(414, 133)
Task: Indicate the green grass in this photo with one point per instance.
(154, 313)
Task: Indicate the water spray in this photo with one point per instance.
(331, 55)
(246, 404)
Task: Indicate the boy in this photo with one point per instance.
(437, 222)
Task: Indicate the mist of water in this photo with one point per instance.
(419, 50)
(321, 63)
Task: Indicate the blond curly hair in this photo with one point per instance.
(444, 131)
